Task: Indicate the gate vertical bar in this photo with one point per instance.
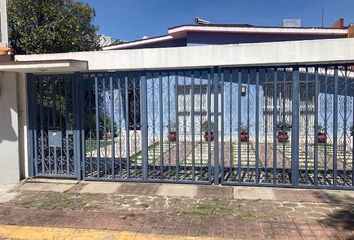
(161, 126)
(216, 124)
(127, 127)
(335, 125)
(112, 126)
(209, 120)
(144, 123)
(345, 118)
(295, 127)
(317, 90)
(77, 125)
(222, 127)
(97, 129)
(32, 130)
(82, 126)
(275, 114)
(177, 126)
(257, 126)
(239, 126)
(192, 125)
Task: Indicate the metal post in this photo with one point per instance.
(239, 126)
(222, 127)
(257, 126)
(216, 124)
(32, 131)
(77, 125)
(295, 127)
(144, 123)
(335, 125)
(317, 92)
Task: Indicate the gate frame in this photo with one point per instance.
(217, 78)
(32, 126)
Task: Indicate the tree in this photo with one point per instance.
(51, 26)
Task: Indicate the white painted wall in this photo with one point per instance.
(253, 54)
(9, 150)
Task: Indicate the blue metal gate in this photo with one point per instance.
(278, 126)
(52, 119)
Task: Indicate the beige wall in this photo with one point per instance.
(9, 147)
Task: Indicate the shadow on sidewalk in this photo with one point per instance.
(342, 218)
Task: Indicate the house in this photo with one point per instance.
(221, 34)
(105, 115)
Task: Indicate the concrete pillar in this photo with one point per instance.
(22, 124)
(9, 150)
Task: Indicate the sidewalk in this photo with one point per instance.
(175, 211)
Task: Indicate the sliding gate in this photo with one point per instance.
(280, 126)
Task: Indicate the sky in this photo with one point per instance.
(134, 19)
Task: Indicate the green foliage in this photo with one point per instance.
(205, 125)
(51, 26)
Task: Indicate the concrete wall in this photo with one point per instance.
(253, 54)
(22, 123)
(9, 148)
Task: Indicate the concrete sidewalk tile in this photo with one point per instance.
(100, 187)
(171, 190)
(252, 193)
(5, 188)
(45, 187)
(7, 197)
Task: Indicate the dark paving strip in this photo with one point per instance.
(229, 227)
